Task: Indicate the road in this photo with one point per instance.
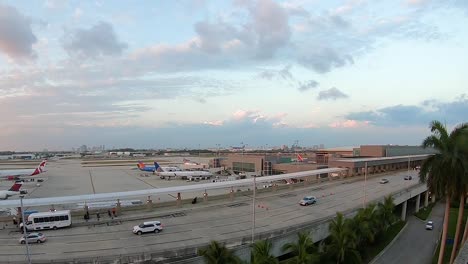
(415, 245)
(230, 220)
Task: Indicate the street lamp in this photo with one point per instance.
(253, 208)
(24, 229)
(365, 184)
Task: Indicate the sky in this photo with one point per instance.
(194, 73)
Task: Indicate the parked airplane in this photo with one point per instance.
(11, 203)
(143, 167)
(180, 174)
(188, 162)
(23, 173)
(14, 190)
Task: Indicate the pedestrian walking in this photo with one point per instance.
(98, 216)
(110, 214)
(113, 212)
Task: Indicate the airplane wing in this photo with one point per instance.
(168, 190)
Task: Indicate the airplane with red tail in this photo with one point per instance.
(23, 173)
(14, 190)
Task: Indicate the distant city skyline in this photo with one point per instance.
(175, 74)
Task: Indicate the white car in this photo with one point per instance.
(147, 227)
(383, 181)
(429, 225)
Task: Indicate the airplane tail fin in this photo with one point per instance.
(16, 186)
(157, 167)
(41, 168)
(37, 171)
(299, 157)
(141, 165)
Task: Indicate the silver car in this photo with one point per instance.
(33, 238)
(308, 200)
(383, 181)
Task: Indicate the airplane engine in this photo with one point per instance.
(3, 196)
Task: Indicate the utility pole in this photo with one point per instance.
(253, 208)
(365, 185)
(25, 233)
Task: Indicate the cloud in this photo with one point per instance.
(78, 13)
(215, 37)
(16, 36)
(99, 40)
(347, 8)
(331, 94)
(252, 117)
(284, 74)
(307, 85)
(324, 59)
(214, 123)
(400, 115)
(270, 23)
(349, 124)
(415, 2)
(55, 4)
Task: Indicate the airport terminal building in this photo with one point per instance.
(376, 158)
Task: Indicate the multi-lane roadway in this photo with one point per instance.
(222, 220)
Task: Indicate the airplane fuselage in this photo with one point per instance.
(5, 194)
(16, 173)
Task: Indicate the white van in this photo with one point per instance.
(48, 220)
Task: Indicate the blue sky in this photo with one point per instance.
(153, 74)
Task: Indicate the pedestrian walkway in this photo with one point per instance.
(415, 245)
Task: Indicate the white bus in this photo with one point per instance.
(48, 220)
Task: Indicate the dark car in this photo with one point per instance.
(408, 177)
(429, 225)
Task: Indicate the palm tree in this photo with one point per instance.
(303, 250)
(342, 245)
(216, 253)
(365, 225)
(385, 213)
(445, 171)
(261, 253)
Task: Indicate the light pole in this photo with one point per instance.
(24, 229)
(409, 163)
(253, 208)
(242, 162)
(365, 185)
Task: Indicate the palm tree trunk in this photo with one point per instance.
(465, 233)
(459, 223)
(444, 230)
